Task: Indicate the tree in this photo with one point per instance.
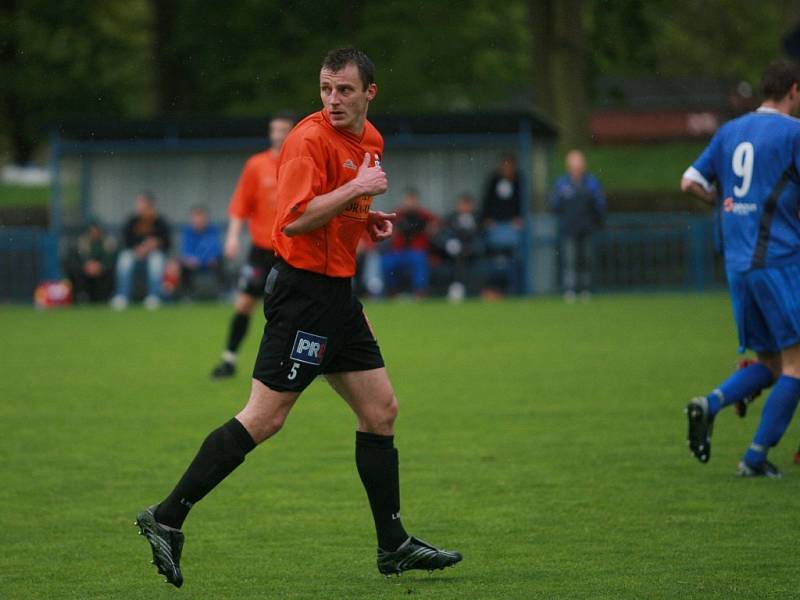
(60, 58)
(558, 33)
(251, 57)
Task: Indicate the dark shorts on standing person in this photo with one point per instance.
(315, 325)
(254, 271)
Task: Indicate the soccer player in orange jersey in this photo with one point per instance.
(330, 168)
(252, 201)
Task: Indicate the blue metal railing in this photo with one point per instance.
(27, 257)
(656, 251)
(633, 252)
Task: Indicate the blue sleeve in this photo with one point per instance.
(188, 243)
(216, 244)
(796, 150)
(554, 199)
(598, 196)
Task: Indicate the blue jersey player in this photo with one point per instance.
(754, 163)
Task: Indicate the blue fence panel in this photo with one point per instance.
(656, 252)
(634, 252)
(27, 257)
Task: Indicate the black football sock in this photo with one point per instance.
(376, 459)
(222, 451)
(238, 329)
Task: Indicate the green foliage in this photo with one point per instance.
(128, 58)
(544, 441)
(431, 59)
(63, 58)
(254, 57)
(714, 38)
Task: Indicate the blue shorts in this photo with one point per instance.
(766, 306)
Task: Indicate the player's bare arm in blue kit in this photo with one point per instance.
(754, 162)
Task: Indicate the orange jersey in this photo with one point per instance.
(254, 197)
(316, 159)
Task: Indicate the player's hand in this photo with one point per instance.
(379, 225)
(371, 181)
(231, 247)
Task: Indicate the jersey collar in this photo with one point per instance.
(344, 132)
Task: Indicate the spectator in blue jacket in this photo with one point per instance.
(578, 200)
(201, 248)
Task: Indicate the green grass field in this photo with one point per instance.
(544, 441)
(639, 167)
(37, 196)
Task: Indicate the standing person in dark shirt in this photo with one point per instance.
(502, 220)
(410, 245)
(502, 205)
(146, 236)
(578, 200)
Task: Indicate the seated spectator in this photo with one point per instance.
(146, 236)
(90, 264)
(460, 242)
(577, 199)
(408, 251)
(201, 249)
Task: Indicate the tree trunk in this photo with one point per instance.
(540, 17)
(559, 41)
(170, 76)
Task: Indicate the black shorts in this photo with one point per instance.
(315, 325)
(254, 272)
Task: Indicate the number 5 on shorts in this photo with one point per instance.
(293, 373)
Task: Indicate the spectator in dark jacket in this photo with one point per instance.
(578, 200)
(409, 246)
(147, 239)
(201, 249)
(90, 264)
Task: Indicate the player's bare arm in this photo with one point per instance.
(369, 181)
(695, 189)
(232, 237)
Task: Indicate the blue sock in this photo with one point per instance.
(775, 418)
(742, 384)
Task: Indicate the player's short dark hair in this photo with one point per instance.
(778, 78)
(338, 59)
(148, 195)
(283, 115)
